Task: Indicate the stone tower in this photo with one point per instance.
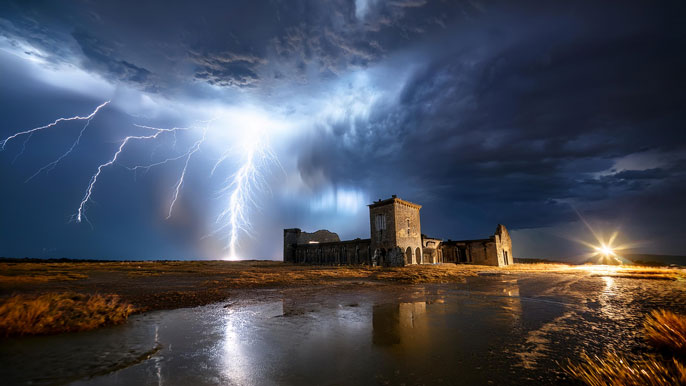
(396, 236)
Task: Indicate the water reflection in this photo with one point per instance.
(391, 321)
(451, 334)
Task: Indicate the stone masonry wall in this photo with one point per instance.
(352, 252)
(408, 231)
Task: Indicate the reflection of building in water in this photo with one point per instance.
(396, 240)
(391, 321)
(412, 326)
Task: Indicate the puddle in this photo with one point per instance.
(503, 329)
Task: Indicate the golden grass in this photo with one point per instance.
(615, 370)
(666, 331)
(41, 277)
(292, 275)
(53, 313)
(22, 274)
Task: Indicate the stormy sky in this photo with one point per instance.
(531, 114)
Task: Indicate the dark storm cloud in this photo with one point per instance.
(520, 115)
(226, 44)
(227, 68)
(102, 59)
(507, 112)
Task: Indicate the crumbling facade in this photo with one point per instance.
(396, 240)
(495, 250)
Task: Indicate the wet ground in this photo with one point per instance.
(490, 329)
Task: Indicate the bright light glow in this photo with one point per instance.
(342, 200)
(255, 155)
(605, 250)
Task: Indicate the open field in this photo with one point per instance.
(151, 285)
(155, 285)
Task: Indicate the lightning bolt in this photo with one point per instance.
(53, 124)
(23, 148)
(80, 214)
(242, 185)
(189, 154)
(239, 191)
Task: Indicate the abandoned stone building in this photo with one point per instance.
(396, 240)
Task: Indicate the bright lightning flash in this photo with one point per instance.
(240, 189)
(30, 132)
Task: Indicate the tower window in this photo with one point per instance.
(408, 227)
(380, 222)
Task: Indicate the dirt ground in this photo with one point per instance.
(155, 285)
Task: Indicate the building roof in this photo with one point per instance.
(393, 200)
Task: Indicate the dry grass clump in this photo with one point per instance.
(614, 370)
(666, 331)
(60, 312)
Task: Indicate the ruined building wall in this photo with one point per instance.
(396, 240)
(324, 248)
(432, 252)
(482, 252)
(353, 252)
(495, 250)
(504, 246)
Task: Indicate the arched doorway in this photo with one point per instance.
(408, 256)
(418, 253)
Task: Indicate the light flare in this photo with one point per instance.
(604, 250)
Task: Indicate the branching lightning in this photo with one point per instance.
(53, 124)
(189, 154)
(239, 189)
(80, 214)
